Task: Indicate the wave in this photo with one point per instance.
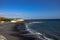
(34, 34)
(35, 22)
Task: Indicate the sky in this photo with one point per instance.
(30, 9)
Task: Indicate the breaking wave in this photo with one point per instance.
(31, 33)
(38, 35)
(35, 22)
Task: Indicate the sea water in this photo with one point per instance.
(49, 29)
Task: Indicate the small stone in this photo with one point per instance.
(2, 37)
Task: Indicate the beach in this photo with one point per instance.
(51, 30)
(6, 30)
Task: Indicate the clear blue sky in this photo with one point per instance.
(30, 9)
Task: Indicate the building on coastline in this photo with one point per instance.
(17, 20)
(4, 19)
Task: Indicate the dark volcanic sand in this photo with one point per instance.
(6, 29)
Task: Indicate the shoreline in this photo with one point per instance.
(6, 29)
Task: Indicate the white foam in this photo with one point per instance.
(35, 22)
(28, 28)
(39, 35)
(48, 38)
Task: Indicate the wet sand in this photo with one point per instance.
(6, 29)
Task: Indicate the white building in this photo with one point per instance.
(17, 20)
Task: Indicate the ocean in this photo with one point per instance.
(48, 28)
